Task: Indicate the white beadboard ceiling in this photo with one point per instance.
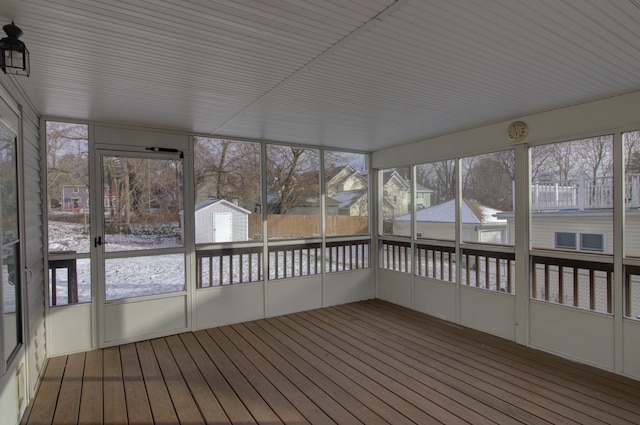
(355, 74)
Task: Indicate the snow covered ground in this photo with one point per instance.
(124, 277)
(138, 276)
(148, 275)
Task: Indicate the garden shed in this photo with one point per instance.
(218, 220)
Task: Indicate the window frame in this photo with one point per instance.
(578, 241)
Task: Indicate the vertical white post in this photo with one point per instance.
(582, 194)
(618, 251)
(522, 218)
(458, 231)
(323, 231)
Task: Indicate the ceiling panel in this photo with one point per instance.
(362, 74)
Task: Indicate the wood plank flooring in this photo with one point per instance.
(369, 362)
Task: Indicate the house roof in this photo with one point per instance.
(349, 197)
(472, 213)
(389, 175)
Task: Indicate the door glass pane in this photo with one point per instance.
(293, 198)
(146, 275)
(346, 179)
(10, 277)
(8, 187)
(11, 299)
(142, 202)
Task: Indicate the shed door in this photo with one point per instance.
(222, 227)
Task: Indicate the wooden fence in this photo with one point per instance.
(300, 226)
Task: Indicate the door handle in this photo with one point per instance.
(97, 241)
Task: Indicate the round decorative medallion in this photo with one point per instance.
(517, 131)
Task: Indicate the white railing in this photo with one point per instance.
(582, 194)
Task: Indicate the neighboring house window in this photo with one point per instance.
(588, 241)
(566, 240)
(592, 242)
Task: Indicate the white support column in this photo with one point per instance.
(373, 212)
(412, 248)
(265, 236)
(323, 229)
(522, 218)
(458, 229)
(618, 251)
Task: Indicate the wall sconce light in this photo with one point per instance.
(14, 57)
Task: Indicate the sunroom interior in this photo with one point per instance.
(174, 166)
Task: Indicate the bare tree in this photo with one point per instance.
(292, 177)
(228, 169)
(595, 156)
(440, 177)
(489, 182)
(543, 163)
(632, 152)
(67, 159)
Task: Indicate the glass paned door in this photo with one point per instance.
(141, 237)
(138, 246)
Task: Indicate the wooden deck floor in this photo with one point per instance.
(367, 362)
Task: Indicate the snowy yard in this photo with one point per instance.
(147, 275)
(124, 277)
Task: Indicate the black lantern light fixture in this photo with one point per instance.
(14, 58)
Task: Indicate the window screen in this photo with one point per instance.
(592, 241)
(566, 240)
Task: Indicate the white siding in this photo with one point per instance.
(33, 258)
(632, 234)
(543, 228)
(206, 218)
(34, 243)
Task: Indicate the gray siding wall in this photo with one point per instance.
(33, 240)
(34, 244)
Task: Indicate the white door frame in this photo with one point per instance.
(131, 319)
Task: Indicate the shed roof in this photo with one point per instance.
(208, 202)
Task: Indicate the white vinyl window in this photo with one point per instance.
(566, 240)
(592, 242)
(585, 241)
